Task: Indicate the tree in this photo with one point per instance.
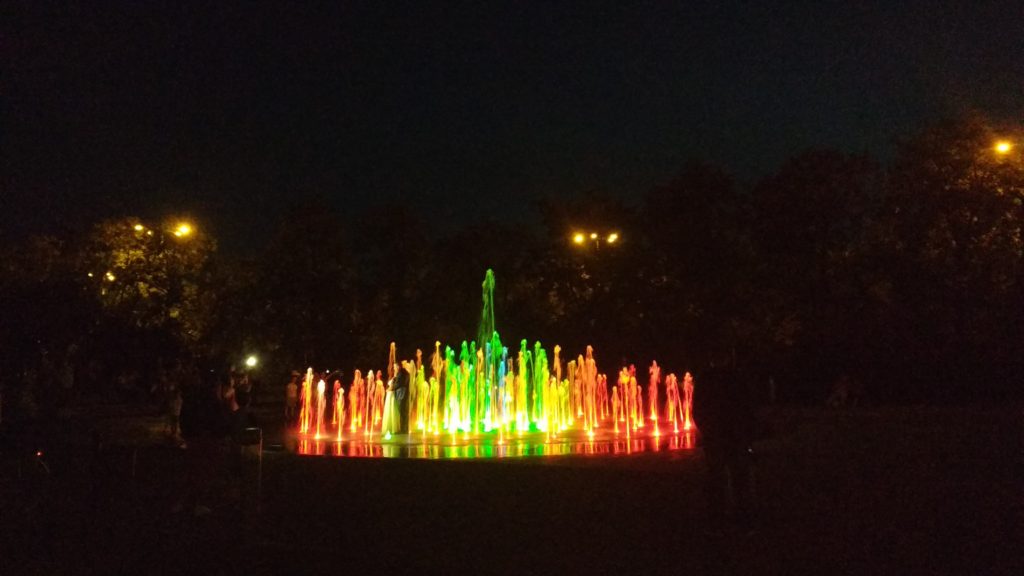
(150, 277)
(696, 265)
(45, 322)
(817, 232)
(956, 214)
(589, 286)
(296, 303)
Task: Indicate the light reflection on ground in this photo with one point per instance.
(490, 445)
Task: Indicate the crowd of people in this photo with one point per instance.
(212, 414)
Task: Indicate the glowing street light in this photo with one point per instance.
(183, 229)
(580, 238)
(110, 277)
(1003, 147)
(251, 361)
(139, 227)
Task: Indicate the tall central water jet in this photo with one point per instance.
(487, 326)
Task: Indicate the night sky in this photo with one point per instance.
(229, 112)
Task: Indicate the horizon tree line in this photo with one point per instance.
(905, 275)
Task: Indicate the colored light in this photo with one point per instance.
(578, 238)
(613, 238)
(481, 398)
(1003, 147)
(251, 361)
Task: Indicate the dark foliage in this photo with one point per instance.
(906, 278)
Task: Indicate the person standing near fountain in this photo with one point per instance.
(402, 385)
(205, 425)
(392, 420)
(291, 398)
(174, 402)
(723, 410)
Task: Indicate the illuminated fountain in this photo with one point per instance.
(339, 409)
(321, 404)
(687, 401)
(481, 400)
(652, 393)
(306, 408)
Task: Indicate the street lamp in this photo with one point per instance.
(183, 229)
(251, 361)
(580, 238)
(1003, 147)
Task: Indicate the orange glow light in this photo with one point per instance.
(183, 229)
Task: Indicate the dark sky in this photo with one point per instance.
(231, 111)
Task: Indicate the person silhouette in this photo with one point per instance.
(723, 411)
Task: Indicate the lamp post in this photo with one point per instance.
(182, 230)
(580, 238)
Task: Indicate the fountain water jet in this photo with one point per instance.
(479, 389)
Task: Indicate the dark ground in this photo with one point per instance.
(879, 491)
